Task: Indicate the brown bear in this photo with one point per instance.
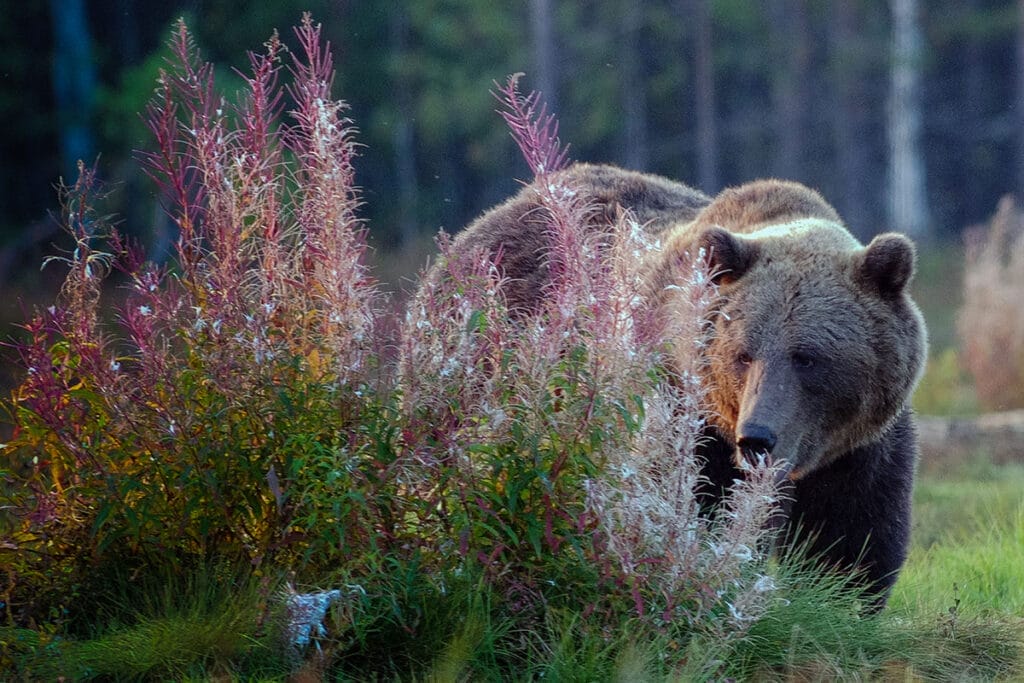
(815, 352)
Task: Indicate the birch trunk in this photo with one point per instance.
(907, 201)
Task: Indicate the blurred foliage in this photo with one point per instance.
(945, 388)
(991, 319)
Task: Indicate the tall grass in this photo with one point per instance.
(203, 426)
(969, 543)
(181, 626)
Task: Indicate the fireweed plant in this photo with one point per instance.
(231, 413)
(243, 408)
(562, 434)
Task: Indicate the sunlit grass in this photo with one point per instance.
(976, 497)
(968, 551)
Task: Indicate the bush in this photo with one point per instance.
(243, 410)
(991, 322)
(231, 414)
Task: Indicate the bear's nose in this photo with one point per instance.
(755, 438)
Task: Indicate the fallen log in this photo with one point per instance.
(998, 437)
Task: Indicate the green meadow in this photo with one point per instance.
(968, 551)
(957, 613)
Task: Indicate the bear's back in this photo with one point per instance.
(518, 228)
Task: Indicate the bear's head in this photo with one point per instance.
(816, 345)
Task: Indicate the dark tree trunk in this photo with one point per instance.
(971, 113)
(635, 143)
(74, 83)
(705, 105)
(403, 134)
(1020, 100)
(789, 26)
(127, 31)
(850, 98)
(545, 52)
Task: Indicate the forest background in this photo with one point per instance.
(905, 115)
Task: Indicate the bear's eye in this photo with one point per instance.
(744, 358)
(802, 360)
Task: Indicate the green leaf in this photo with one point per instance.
(534, 534)
(477, 323)
(101, 517)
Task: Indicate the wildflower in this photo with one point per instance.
(736, 615)
(305, 614)
(496, 416)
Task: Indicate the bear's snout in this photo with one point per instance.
(754, 439)
(757, 441)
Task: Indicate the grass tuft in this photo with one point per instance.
(197, 626)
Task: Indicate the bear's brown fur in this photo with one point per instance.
(518, 227)
(815, 352)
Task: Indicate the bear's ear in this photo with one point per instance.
(888, 263)
(729, 256)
